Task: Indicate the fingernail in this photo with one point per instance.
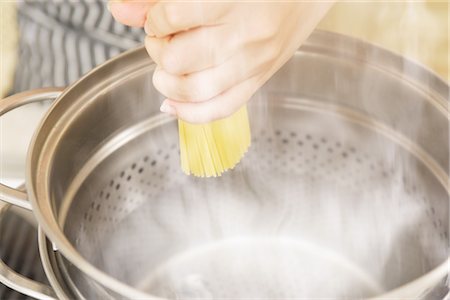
(168, 109)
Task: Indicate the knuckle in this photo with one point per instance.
(275, 51)
(147, 43)
(153, 22)
(157, 82)
(172, 15)
(151, 49)
(170, 62)
(271, 53)
(193, 88)
(267, 32)
(207, 86)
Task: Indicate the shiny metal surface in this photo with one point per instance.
(18, 197)
(284, 165)
(350, 152)
(51, 268)
(9, 194)
(18, 282)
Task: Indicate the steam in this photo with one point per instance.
(352, 199)
(321, 206)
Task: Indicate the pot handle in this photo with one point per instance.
(18, 282)
(8, 194)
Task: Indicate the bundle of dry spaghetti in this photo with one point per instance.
(210, 149)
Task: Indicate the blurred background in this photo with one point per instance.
(52, 43)
(415, 29)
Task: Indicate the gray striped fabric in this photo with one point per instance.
(60, 40)
(18, 248)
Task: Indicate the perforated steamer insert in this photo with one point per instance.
(315, 173)
(342, 194)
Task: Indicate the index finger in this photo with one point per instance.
(167, 18)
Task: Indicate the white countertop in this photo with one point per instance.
(16, 130)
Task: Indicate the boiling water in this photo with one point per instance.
(259, 268)
(281, 234)
(319, 207)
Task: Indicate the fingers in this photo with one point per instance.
(194, 50)
(209, 83)
(219, 107)
(155, 47)
(195, 87)
(130, 12)
(170, 17)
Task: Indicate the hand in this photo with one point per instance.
(211, 57)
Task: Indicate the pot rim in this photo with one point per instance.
(62, 244)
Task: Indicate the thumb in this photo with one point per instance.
(130, 12)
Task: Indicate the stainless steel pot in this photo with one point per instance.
(350, 154)
(17, 233)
